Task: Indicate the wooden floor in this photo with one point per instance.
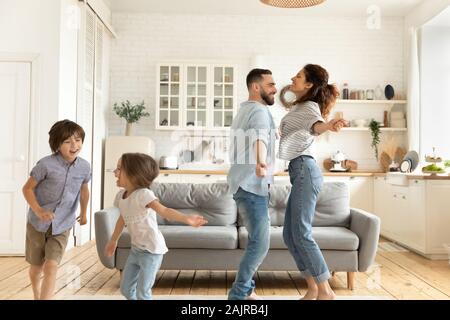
(397, 273)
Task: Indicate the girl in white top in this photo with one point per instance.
(305, 120)
(138, 207)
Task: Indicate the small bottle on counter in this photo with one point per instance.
(345, 91)
(385, 119)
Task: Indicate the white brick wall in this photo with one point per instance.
(344, 46)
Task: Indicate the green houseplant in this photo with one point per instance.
(374, 127)
(131, 113)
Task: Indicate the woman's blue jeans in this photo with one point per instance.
(306, 179)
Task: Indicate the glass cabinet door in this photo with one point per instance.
(191, 95)
(223, 96)
(169, 96)
(196, 96)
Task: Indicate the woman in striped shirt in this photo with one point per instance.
(305, 120)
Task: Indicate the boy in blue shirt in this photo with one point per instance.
(55, 186)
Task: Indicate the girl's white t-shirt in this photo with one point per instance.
(141, 221)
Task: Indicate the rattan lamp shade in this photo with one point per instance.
(292, 3)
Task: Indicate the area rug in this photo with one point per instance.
(215, 297)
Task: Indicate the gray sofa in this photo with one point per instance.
(348, 237)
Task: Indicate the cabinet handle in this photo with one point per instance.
(352, 178)
(403, 197)
(207, 175)
(395, 196)
(166, 174)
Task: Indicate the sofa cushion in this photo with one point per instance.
(206, 237)
(212, 200)
(328, 238)
(333, 206)
(187, 237)
(332, 209)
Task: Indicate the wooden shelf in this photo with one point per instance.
(348, 101)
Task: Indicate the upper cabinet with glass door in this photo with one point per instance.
(169, 95)
(223, 96)
(194, 95)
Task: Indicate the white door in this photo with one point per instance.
(15, 85)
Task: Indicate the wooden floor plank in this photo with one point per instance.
(96, 282)
(184, 282)
(298, 282)
(218, 283)
(411, 278)
(20, 281)
(166, 283)
(285, 287)
(434, 273)
(200, 282)
(231, 276)
(110, 286)
(398, 274)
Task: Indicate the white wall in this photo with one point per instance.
(33, 27)
(352, 53)
(68, 59)
(435, 93)
(49, 28)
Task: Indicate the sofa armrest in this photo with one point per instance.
(105, 222)
(367, 228)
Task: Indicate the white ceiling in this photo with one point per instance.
(441, 20)
(391, 8)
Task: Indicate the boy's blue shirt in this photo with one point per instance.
(58, 190)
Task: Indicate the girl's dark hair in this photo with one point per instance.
(321, 92)
(63, 130)
(140, 168)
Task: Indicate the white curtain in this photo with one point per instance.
(413, 111)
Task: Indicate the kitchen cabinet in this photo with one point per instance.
(382, 203)
(169, 96)
(438, 215)
(415, 214)
(195, 96)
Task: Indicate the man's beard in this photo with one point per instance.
(269, 100)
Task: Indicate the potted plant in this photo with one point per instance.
(131, 113)
(374, 127)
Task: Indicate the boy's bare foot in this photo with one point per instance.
(326, 296)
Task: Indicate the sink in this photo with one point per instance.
(203, 166)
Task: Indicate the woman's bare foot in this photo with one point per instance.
(326, 295)
(311, 294)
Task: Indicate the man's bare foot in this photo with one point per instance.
(310, 295)
(326, 296)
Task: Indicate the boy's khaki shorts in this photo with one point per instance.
(41, 246)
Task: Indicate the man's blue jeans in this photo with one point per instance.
(254, 209)
(139, 274)
(306, 179)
